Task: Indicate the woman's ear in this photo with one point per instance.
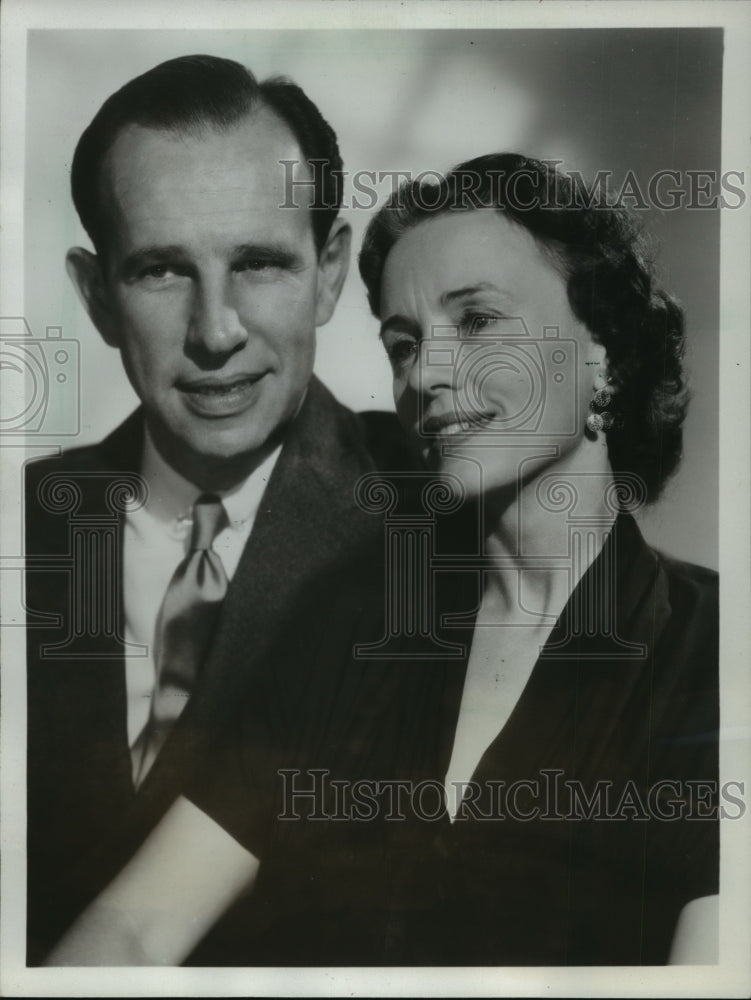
(333, 264)
(85, 271)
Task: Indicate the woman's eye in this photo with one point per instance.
(400, 351)
(478, 322)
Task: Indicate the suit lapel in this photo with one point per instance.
(306, 528)
(306, 525)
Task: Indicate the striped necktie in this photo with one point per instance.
(185, 625)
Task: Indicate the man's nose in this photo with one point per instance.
(215, 326)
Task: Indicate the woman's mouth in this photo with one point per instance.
(452, 425)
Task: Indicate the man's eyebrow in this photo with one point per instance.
(156, 254)
(468, 291)
(399, 324)
(272, 253)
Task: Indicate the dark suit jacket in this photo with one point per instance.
(84, 818)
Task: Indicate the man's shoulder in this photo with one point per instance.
(386, 441)
(332, 435)
(115, 455)
(83, 458)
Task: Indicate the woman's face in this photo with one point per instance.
(493, 373)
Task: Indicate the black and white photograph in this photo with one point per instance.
(374, 443)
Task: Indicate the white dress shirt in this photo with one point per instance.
(156, 539)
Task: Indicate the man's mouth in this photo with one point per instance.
(220, 396)
(218, 386)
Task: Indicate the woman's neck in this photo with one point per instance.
(543, 536)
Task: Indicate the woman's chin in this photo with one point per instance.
(462, 475)
(473, 477)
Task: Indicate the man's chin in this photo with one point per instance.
(216, 459)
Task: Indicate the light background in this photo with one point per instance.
(598, 99)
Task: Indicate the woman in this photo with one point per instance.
(538, 367)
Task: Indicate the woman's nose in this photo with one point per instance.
(435, 366)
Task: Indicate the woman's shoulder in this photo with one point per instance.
(677, 612)
(687, 647)
(702, 577)
(691, 587)
(686, 581)
(675, 588)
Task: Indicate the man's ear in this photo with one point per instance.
(333, 264)
(85, 271)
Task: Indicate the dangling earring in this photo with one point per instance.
(600, 417)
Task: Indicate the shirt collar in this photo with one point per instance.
(171, 496)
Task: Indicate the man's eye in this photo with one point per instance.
(157, 273)
(255, 264)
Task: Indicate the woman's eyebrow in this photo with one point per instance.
(469, 290)
(399, 324)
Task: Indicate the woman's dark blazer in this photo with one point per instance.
(594, 819)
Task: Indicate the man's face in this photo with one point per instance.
(210, 290)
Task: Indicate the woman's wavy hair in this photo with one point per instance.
(611, 288)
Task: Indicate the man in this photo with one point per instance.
(212, 293)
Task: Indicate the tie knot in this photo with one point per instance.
(209, 518)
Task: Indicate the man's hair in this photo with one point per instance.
(187, 95)
(611, 288)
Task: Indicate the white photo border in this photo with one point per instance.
(732, 977)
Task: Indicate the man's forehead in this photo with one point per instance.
(162, 173)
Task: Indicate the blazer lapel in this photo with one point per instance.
(307, 526)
